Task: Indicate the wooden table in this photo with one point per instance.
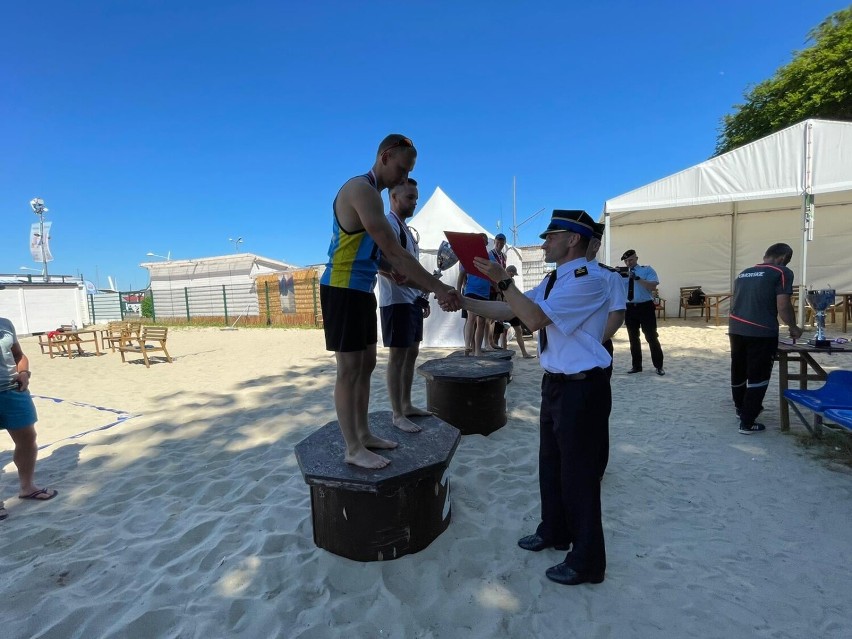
(68, 340)
(802, 353)
(712, 300)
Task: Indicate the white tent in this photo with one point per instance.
(702, 226)
(441, 214)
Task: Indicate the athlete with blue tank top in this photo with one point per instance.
(360, 235)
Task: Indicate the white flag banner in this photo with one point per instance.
(40, 246)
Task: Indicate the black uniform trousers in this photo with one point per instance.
(752, 359)
(574, 422)
(642, 315)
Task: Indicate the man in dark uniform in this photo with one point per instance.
(761, 294)
(569, 309)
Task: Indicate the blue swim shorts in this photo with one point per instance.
(17, 410)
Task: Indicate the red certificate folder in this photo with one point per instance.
(467, 246)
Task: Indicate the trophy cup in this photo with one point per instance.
(446, 258)
(819, 301)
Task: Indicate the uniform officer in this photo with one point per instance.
(569, 309)
(639, 281)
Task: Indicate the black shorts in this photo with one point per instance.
(402, 325)
(348, 319)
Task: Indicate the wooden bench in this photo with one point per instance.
(118, 332)
(152, 339)
(684, 305)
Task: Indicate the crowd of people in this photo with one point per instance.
(576, 310)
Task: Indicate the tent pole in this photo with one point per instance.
(807, 217)
(733, 273)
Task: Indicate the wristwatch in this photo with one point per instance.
(504, 284)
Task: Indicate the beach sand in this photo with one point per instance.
(187, 516)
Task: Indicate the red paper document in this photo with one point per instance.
(467, 246)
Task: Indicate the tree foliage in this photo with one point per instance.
(816, 84)
(148, 305)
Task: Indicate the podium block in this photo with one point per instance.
(468, 392)
(376, 515)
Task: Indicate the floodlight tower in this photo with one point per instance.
(237, 243)
(40, 209)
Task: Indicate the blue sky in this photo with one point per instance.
(170, 126)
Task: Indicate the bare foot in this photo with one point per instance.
(414, 410)
(406, 425)
(366, 459)
(529, 356)
(377, 442)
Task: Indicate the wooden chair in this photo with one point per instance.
(118, 332)
(152, 339)
(684, 306)
(659, 304)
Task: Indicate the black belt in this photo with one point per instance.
(572, 377)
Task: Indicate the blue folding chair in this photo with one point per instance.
(835, 393)
(840, 416)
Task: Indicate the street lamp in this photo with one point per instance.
(167, 257)
(237, 243)
(40, 209)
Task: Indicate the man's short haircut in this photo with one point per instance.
(779, 250)
(394, 141)
(408, 182)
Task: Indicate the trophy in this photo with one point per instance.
(819, 301)
(446, 258)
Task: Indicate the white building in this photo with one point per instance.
(221, 286)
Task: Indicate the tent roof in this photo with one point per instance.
(441, 214)
(777, 166)
(221, 263)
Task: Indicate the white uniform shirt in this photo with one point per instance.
(578, 305)
(389, 291)
(617, 293)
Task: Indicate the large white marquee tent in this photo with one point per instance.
(702, 226)
(441, 214)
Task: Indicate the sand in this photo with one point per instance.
(187, 515)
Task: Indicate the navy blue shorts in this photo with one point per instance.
(16, 410)
(402, 325)
(348, 319)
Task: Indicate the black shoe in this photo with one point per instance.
(746, 429)
(660, 371)
(535, 543)
(567, 576)
(634, 370)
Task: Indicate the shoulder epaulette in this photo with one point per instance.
(608, 268)
(580, 272)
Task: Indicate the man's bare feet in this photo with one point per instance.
(377, 442)
(366, 459)
(414, 410)
(406, 425)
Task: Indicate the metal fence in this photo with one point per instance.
(290, 299)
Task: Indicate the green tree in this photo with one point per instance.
(148, 305)
(816, 84)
